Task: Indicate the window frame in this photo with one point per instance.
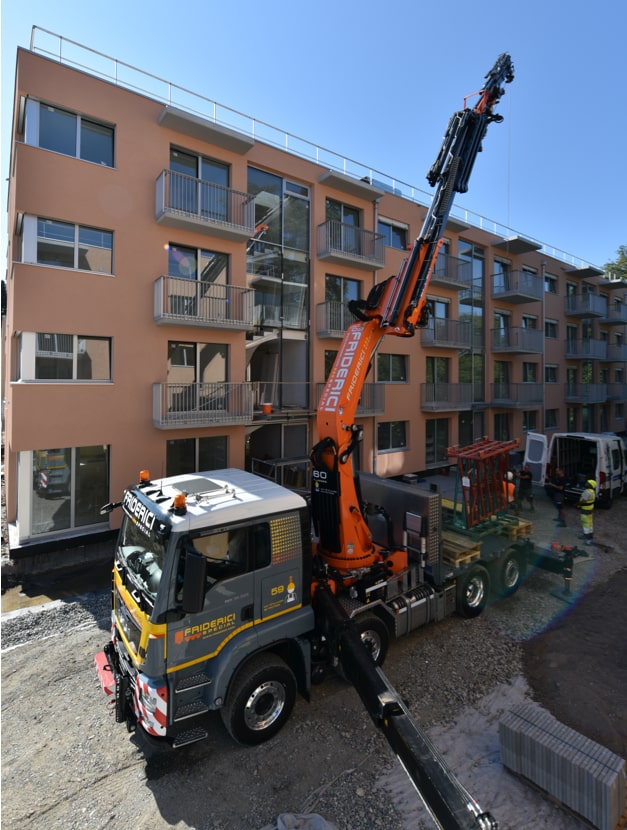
(33, 132)
(387, 430)
(30, 350)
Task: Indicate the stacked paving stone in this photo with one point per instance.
(583, 775)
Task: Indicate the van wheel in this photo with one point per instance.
(374, 635)
(473, 588)
(508, 574)
(260, 701)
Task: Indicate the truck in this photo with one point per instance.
(582, 456)
(234, 594)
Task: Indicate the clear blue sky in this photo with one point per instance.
(377, 82)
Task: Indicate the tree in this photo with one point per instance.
(618, 268)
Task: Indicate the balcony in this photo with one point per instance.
(442, 397)
(184, 405)
(371, 400)
(332, 319)
(272, 315)
(517, 287)
(288, 399)
(617, 352)
(616, 314)
(587, 349)
(586, 392)
(518, 395)
(344, 244)
(192, 204)
(451, 272)
(585, 305)
(449, 334)
(182, 302)
(518, 340)
(617, 391)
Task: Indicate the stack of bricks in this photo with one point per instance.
(584, 776)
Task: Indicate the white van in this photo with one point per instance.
(582, 455)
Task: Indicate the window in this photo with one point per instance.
(501, 277)
(189, 455)
(529, 322)
(394, 234)
(550, 329)
(47, 356)
(196, 182)
(619, 411)
(61, 131)
(550, 373)
(392, 368)
(436, 441)
(530, 421)
(550, 419)
(204, 293)
(550, 284)
(530, 372)
(501, 427)
(68, 487)
(391, 435)
(344, 222)
(65, 245)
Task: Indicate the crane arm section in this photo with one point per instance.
(394, 307)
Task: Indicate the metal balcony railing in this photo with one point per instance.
(517, 287)
(585, 305)
(515, 339)
(197, 303)
(439, 397)
(617, 391)
(616, 313)
(293, 397)
(185, 202)
(201, 404)
(586, 392)
(371, 401)
(342, 243)
(452, 334)
(505, 393)
(274, 316)
(333, 318)
(452, 272)
(617, 352)
(587, 349)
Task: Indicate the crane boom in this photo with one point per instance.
(394, 307)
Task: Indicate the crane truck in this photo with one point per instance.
(231, 593)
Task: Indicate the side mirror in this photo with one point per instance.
(194, 582)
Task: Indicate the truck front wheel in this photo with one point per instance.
(473, 588)
(260, 701)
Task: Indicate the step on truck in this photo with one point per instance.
(233, 594)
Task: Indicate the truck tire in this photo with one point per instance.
(473, 588)
(260, 701)
(508, 573)
(374, 635)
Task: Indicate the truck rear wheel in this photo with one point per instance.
(508, 574)
(374, 635)
(473, 588)
(260, 701)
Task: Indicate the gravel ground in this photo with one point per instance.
(67, 764)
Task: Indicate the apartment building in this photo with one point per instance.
(177, 289)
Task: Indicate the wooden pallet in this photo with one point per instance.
(456, 550)
(518, 529)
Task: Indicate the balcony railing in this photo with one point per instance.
(586, 305)
(617, 352)
(286, 397)
(347, 245)
(616, 314)
(517, 394)
(188, 203)
(517, 287)
(452, 272)
(272, 315)
(586, 392)
(332, 319)
(201, 404)
(617, 391)
(440, 397)
(184, 302)
(518, 340)
(587, 349)
(371, 401)
(451, 334)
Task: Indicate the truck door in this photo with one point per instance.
(536, 456)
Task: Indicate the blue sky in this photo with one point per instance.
(377, 82)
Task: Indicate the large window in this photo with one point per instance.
(66, 245)
(61, 131)
(394, 234)
(69, 485)
(48, 356)
(199, 182)
(391, 435)
(391, 368)
(436, 440)
(188, 455)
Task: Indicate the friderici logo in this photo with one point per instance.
(346, 372)
(139, 513)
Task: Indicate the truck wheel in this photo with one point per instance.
(374, 635)
(508, 574)
(260, 701)
(473, 588)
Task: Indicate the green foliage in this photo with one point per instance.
(619, 266)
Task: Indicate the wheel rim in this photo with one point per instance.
(372, 641)
(264, 705)
(511, 573)
(475, 592)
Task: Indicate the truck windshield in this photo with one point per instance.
(142, 556)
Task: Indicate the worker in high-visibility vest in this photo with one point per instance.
(585, 505)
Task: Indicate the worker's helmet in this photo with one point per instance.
(592, 483)
(510, 476)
